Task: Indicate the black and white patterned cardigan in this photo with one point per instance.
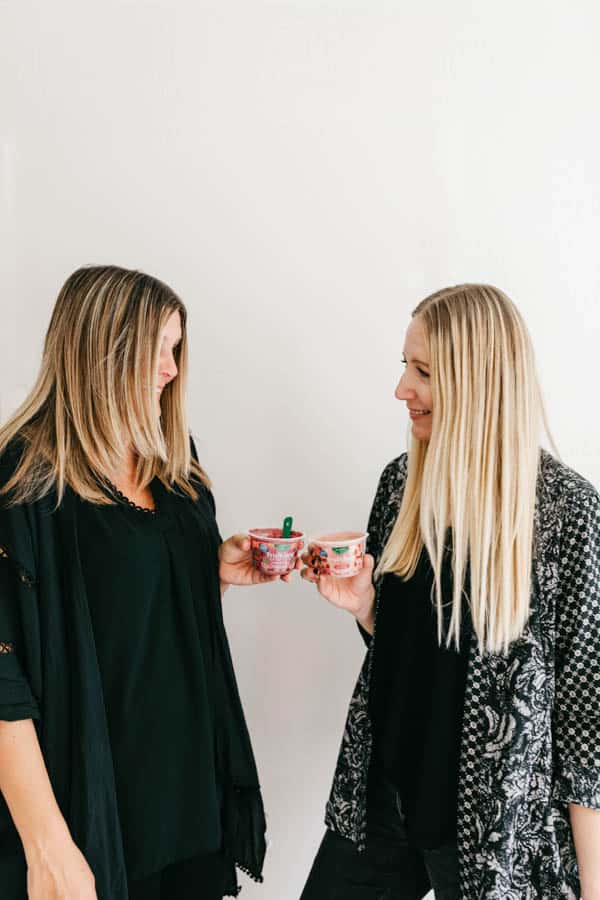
(531, 727)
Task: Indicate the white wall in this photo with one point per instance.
(303, 173)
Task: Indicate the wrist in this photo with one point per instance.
(365, 616)
(45, 842)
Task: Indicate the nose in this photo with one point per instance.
(403, 389)
(167, 365)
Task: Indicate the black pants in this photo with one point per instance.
(199, 878)
(389, 868)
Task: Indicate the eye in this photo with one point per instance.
(421, 371)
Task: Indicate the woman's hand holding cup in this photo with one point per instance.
(238, 564)
(355, 594)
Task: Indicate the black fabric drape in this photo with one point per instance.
(416, 700)
(54, 669)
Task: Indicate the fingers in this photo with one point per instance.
(368, 563)
(241, 541)
(309, 572)
(309, 575)
(288, 576)
(308, 554)
(265, 579)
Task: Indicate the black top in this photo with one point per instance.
(416, 701)
(154, 644)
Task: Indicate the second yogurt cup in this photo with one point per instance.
(339, 554)
(273, 554)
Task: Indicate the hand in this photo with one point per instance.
(59, 871)
(356, 594)
(236, 567)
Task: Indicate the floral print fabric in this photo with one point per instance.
(531, 727)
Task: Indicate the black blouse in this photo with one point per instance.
(144, 572)
(416, 701)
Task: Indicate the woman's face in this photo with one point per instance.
(414, 387)
(167, 368)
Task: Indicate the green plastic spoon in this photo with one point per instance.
(286, 530)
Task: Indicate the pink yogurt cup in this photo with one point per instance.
(273, 554)
(340, 554)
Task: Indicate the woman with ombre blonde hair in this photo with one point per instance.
(470, 761)
(126, 768)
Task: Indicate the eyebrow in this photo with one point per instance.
(420, 361)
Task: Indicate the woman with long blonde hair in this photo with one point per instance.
(470, 761)
(126, 768)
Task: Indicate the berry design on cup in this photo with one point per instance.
(272, 554)
(340, 554)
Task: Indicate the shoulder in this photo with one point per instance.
(394, 475)
(563, 489)
(17, 520)
(389, 489)
(10, 458)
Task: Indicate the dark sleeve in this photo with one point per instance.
(17, 580)
(576, 722)
(16, 698)
(201, 487)
(367, 638)
(378, 520)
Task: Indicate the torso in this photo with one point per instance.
(150, 580)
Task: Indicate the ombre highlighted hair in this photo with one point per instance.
(95, 395)
(477, 472)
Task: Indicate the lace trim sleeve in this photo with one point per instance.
(22, 574)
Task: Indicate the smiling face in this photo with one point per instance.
(167, 367)
(414, 385)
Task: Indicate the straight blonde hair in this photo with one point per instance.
(477, 473)
(95, 393)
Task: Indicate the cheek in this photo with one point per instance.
(425, 394)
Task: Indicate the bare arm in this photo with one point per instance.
(585, 824)
(56, 867)
(366, 616)
(25, 784)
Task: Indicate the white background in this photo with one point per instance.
(303, 173)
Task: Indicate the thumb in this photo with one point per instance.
(368, 564)
(240, 541)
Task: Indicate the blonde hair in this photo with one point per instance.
(95, 393)
(477, 473)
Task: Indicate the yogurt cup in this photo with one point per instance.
(273, 554)
(340, 554)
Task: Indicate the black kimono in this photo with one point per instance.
(80, 585)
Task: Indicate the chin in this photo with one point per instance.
(421, 434)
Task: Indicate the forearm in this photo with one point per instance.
(366, 615)
(26, 787)
(585, 825)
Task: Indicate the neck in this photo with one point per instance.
(126, 469)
